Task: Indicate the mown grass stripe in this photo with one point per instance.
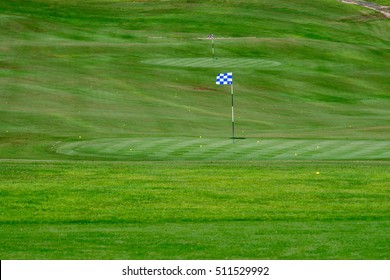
(113, 146)
(177, 147)
(219, 62)
(224, 149)
(153, 152)
(310, 151)
(205, 148)
(214, 150)
(372, 150)
(343, 148)
(266, 149)
(293, 150)
(244, 145)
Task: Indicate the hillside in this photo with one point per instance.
(74, 70)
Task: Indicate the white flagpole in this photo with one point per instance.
(212, 47)
(227, 79)
(231, 89)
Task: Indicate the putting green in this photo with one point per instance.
(218, 63)
(224, 149)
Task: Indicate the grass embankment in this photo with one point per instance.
(77, 69)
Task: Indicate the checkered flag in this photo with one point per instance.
(225, 79)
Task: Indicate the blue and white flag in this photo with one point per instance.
(225, 79)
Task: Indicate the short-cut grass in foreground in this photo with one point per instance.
(236, 210)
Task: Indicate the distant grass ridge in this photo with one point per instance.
(228, 63)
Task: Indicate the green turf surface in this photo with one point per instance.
(71, 69)
(236, 210)
(218, 63)
(224, 149)
(115, 139)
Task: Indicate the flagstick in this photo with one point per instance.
(227, 79)
(212, 48)
(231, 89)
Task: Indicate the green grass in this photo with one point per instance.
(115, 140)
(237, 210)
(95, 84)
(217, 63)
(176, 149)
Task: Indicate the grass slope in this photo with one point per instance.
(71, 69)
(124, 81)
